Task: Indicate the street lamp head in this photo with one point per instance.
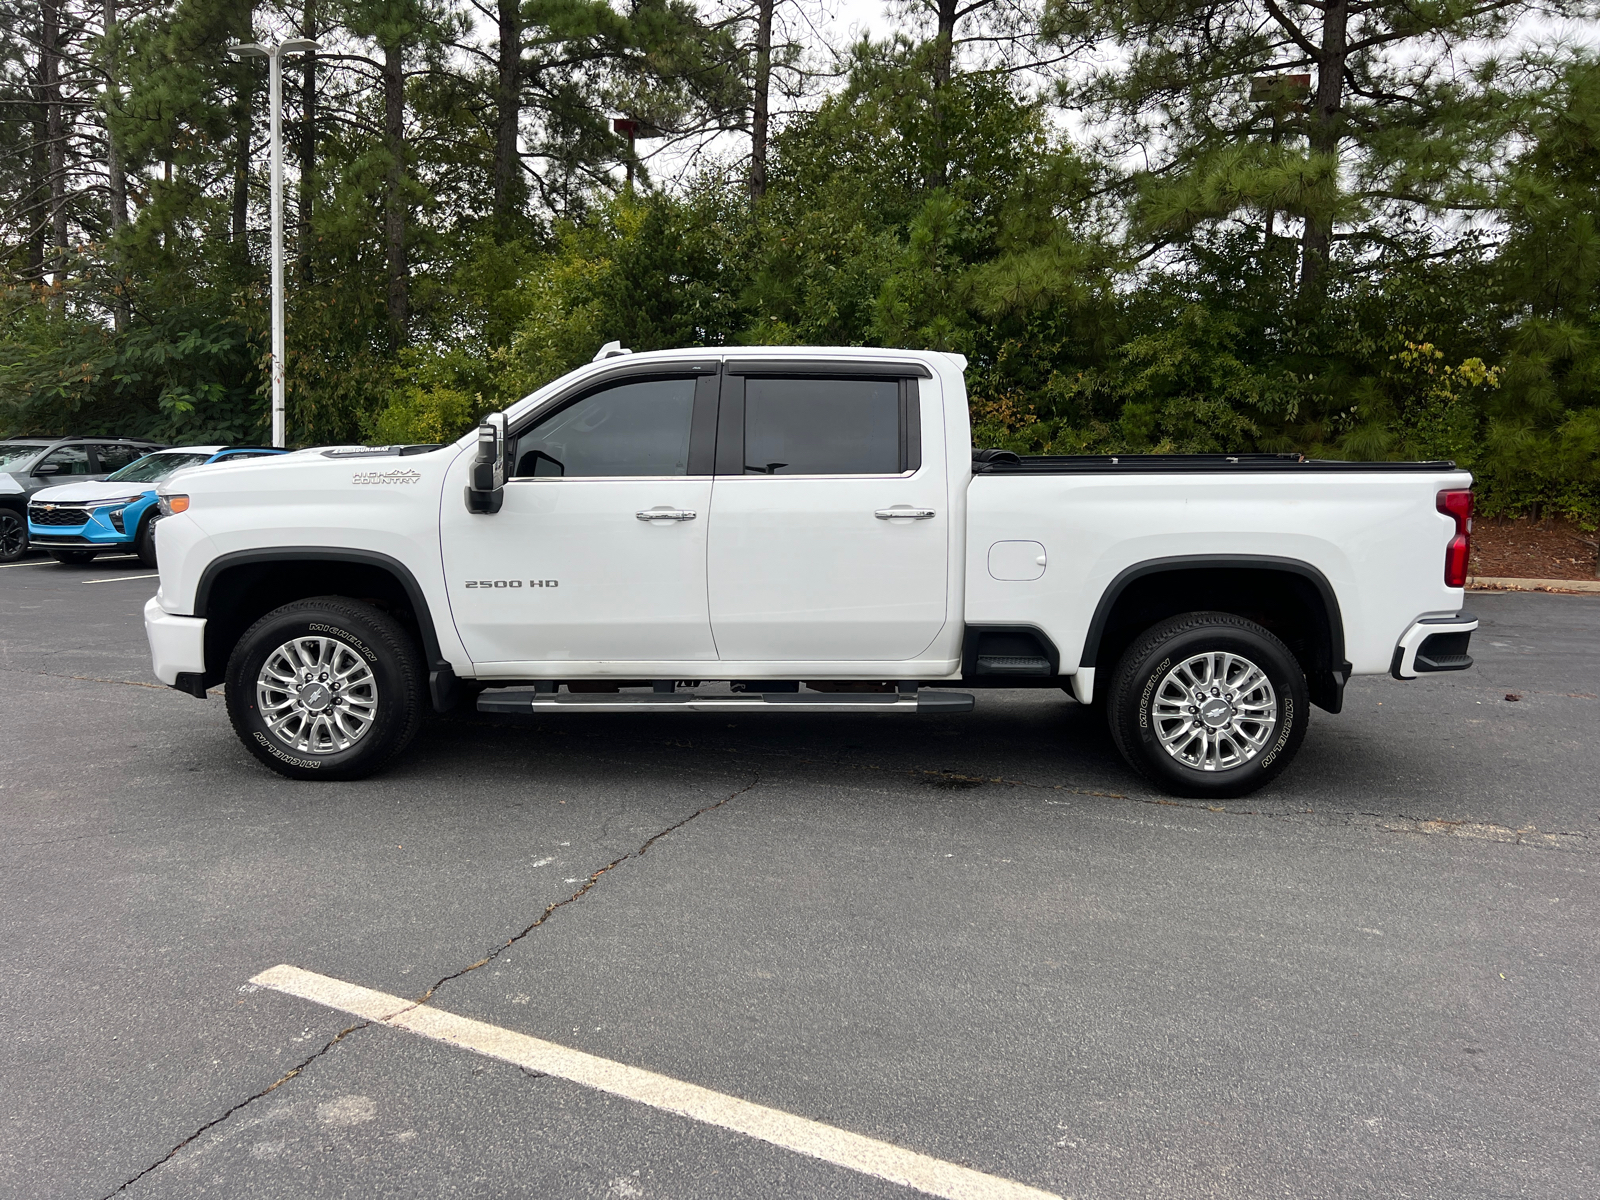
(256, 50)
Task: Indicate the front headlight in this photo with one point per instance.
(172, 504)
(118, 501)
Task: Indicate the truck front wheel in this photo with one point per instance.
(326, 688)
(1208, 704)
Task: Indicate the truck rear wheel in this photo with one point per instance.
(326, 688)
(1208, 704)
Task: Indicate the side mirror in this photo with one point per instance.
(486, 490)
(47, 469)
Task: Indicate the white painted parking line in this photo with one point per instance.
(838, 1146)
(50, 562)
(120, 578)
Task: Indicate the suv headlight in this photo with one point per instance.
(169, 505)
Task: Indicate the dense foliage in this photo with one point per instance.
(1356, 229)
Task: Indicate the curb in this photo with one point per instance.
(1575, 586)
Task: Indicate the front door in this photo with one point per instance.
(598, 553)
(829, 532)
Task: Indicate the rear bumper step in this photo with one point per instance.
(522, 700)
(1434, 644)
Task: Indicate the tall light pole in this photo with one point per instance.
(274, 53)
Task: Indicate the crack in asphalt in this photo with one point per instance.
(160, 687)
(588, 883)
(249, 1100)
(1528, 836)
(593, 878)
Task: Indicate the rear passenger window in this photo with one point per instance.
(115, 457)
(633, 429)
(823, 427)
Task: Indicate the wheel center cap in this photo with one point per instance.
(1216, 712)
(315, 696)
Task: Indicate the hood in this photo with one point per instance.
(9, 486)
(87, 492)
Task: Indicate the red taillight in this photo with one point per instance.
(1457, 504)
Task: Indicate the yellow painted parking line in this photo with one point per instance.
(852, 1151)
(120, 578)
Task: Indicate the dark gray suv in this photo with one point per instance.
(29, 464)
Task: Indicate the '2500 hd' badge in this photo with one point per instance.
(386, 477)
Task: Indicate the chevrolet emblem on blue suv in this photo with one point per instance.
(76, 521)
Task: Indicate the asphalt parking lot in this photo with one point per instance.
(979, 939)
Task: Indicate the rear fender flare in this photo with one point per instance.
(1327, 693)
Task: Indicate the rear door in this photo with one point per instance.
(829, 530)
(113, 456)
(598, 552)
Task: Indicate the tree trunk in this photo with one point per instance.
(508, 117)
(394, 203)
(243, 129)
(55, 136)
(760, 101)
(1324, 140)
(944, 56)
(308, 146)
(37, 212)
(116, 176)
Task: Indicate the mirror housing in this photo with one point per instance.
(486, 489)
(47, 468)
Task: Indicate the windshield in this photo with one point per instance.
(10, 456)
(153, 468)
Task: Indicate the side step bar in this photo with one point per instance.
(522, 700)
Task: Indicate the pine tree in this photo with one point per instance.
(1354, 117)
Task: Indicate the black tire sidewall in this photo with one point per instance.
(1148, 662)
(22, 521)
(144, 542)
(379, 639)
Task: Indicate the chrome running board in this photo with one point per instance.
(523, 700)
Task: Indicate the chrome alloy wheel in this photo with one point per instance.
(317, 695)
(1214, 711)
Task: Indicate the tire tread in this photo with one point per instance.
(392, 637)
(1127, 672)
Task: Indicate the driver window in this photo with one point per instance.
(70, 460)
(630, 429)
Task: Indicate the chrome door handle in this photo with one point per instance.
(665, 514)
(904, 514)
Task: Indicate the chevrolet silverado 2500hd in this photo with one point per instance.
(813, 527)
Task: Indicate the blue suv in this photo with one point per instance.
(76, 521)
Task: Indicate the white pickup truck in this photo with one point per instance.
(788, 530)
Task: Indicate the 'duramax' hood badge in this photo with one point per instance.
(386, 477)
